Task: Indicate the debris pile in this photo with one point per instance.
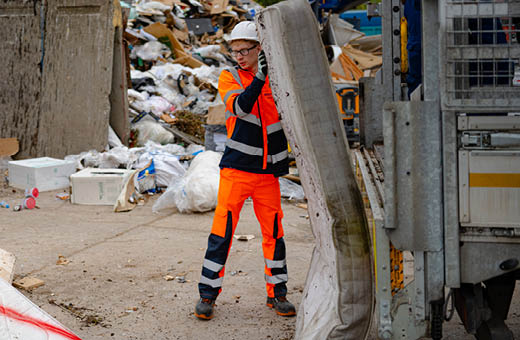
(177, 50)
(355, 54)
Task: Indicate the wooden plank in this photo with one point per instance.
(28, 283)
(7, 261)
(182, 135)
(350, 68)
(159, 30)
(362, 59)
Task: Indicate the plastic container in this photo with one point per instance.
(32, 192)
(29, 203)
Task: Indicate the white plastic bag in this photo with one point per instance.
(174, 149)
(113, 139)
(150, 50)
(159, 105)
(197, 190)
(151, 130)
(291, 190)
(116, 157)
(136, 95)
(167, 166)
(152, 7)
(194, 149)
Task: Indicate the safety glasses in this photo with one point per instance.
(242, 52)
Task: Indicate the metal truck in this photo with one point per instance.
(441, 173)
(451, 170)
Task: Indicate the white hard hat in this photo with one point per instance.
(244, 30)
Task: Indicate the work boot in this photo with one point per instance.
(204, 309)
(281, 305)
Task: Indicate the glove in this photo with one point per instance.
(262, 66)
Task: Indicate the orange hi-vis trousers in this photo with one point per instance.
(235, 187)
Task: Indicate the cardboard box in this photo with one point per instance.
(8, 146)
(98, 186)
(44, 173)
(216, 115)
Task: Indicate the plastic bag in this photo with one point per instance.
(197, 190)
(142, 96)
(158, 105)
(211, 51)
(145, 180)
(149, 51)
(291, 190)
(167, 166)
(116, 157)
(174, 149)
(151, 130)
(113, 139)
(194, 149)
(152, 7)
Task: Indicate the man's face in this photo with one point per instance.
(251, 48)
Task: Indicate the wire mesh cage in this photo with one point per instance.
(482, 54)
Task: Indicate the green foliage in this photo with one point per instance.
(265, 3)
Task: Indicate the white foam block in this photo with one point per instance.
(97, 186)
(44, 173)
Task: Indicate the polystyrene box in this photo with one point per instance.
(98, 186)
(44, 173)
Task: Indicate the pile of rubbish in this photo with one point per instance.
(177, 50)
(352, 54)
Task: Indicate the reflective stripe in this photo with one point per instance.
(217, 283)
(278, 157)
(274, 127)
(235, 75)
(213, 266)
(247, 149)
(238, 110)
(231, 92)
(275, 279)
(229, 114)
(251, 118)
(275, 264)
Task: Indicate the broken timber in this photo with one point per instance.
(7, 261)
(338, 296)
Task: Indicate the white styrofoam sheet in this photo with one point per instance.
(20, 319)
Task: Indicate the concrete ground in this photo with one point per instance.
(114, 285)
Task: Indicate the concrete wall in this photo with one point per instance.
(56, 75)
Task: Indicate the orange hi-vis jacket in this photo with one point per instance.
(256, 142)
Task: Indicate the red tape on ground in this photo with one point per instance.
(10, 313)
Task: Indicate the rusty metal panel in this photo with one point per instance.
(20, 72)
(56, 75)
(76, 77)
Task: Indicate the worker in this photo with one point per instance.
(254, 157)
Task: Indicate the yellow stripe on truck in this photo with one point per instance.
(494, 180)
